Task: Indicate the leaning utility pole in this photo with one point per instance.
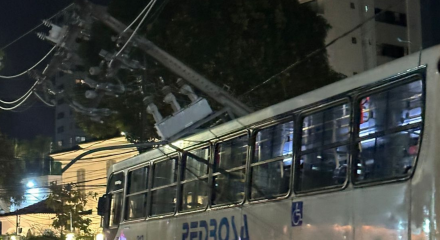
(169, 61)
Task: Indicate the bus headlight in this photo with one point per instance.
(99, 236)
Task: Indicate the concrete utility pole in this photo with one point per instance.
(67, 41)
(169, 61)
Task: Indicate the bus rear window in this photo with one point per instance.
(389, 133)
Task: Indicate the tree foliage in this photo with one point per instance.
(66, 199)
(35, 154)
(2, 60)
(242, 43)
(12, 172)
(235, 44)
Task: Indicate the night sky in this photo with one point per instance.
(16, 18)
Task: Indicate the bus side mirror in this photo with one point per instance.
(102, 204)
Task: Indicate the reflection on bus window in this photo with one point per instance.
(136, 206)
(389, 133)
(115, 208)
(163, 193)
(388, 156)
(229, 171)
(272, 161)
(115, 189)
(195, 180)
(137, 180)
(136, 195)
(399, 106)
(324, 149)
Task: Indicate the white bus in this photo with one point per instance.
(357, 159)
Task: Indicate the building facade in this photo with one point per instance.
(67, 132)
(369, 32)
(88, 173)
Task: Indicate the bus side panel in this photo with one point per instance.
(212, 224)
(326, 216)
(160, 229)
(425, 195)
(133, 230)
(381, 212)
(270, 220)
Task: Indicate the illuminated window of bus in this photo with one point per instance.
(324, 154)
(136, 193)
(116, 208)
(195, 180)
(115, 190)
(272, 161)
(229, 171)
(390, 123)
(163, 192)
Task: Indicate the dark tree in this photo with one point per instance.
(2, 60)
(67, 200)
(235, 44)
(12, 172)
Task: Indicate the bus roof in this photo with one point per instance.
(392, 69)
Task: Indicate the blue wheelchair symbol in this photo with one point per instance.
(297, 214)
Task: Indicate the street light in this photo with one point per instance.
(70, 236)
(30, 184)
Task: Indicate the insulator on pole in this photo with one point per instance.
(152, 109)
(41, 35)
(170, 99)
(47, 22)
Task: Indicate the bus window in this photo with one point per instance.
(115, 208)
(163, 192)
(229, 171)
(272, 161)
(136, 193)
(324, 151)
(115, 192)
(116, 182)
(195, 181)
(389, 133)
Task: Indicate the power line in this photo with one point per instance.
(149, 6)
(26, 71)
(44, 101)
(25, 108)
(16, 106)
(23, 96)
(138, 16)
(33, 29)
